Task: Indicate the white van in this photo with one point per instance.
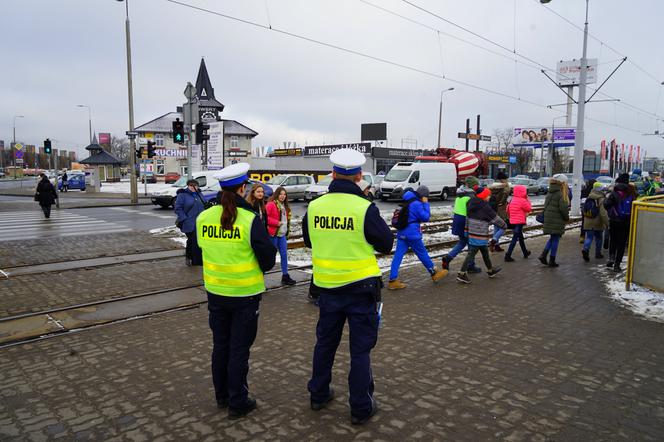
(206, 182)
(440, 178)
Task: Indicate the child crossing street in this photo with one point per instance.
(517, 211)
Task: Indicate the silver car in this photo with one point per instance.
(295, 185)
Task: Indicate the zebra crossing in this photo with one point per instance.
(32, 224)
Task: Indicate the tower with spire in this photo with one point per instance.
(208, 105)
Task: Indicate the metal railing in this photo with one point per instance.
(646, 244)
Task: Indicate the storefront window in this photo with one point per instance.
(159, 166)
(159, 139)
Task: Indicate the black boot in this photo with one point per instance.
(552, 262)
(287, 280)
(542, 258)
(586, 255)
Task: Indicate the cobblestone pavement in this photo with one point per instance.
(534, 354)
(45, 250)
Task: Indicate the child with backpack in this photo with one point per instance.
(414, 210)
(595, 221)
(619, 208)
(479, 218)
(517, 211)
(463, 195)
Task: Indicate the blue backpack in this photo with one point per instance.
(590, 209)
(624, 207)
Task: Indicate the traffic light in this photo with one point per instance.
(139, 152)
(178, 131)
(47, 146)
(202, 132)
(151, 148)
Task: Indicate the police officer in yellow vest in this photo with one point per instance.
(236, 252)
(343, 230)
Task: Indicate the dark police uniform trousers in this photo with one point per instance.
(360, 309)
(234, 322)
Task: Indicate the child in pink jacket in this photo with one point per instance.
(517, 211)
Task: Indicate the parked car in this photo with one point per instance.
(171, 177)
(148, 177)
(206, 182)
(295, 185)
(486, 182)
(74, 181)
(531, 185)
(268, 190)
(605, 180)
(543, 184)
(440, 178)
(318, 189)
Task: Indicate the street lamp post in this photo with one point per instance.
(549, 155)
(14, 148)
(440, 113)
(89, 119)
(130, 93)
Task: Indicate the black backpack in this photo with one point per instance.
(400, 217)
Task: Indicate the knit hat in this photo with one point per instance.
(363, 185)
(501, 176)
(623, 178)
(597, 185)
(423, 191)
(471, 182)
(482, 192)
(560, 177)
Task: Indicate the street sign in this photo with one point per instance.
(190, 112)
(19, 154)
(474, 136)
(190, 91)
(18, 146)
(19, 161)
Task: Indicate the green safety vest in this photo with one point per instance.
(461, 205)
(230, 267)
(340, 253)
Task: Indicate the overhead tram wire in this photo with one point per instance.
(379, 59)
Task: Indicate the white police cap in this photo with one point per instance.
(347, 161)
(233, 175)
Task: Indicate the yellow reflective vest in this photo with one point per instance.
(230, 267)
(340, 253)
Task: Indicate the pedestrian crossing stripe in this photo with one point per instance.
(32, 225)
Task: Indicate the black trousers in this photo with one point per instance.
(192, 251)
(47, 210)
(234, 323)
(618, 236)
(470, 257)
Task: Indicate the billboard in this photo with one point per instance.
(326, 150)
(215, 145)
(374, 132)
(538, 135)
(568, 73)
(104, 138)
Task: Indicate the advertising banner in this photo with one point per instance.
(310, 151)
(176, 153)
(292, 152)
(568, 73)
(604, 158)
(401, 154)
(104, 138)
(215, 146)
(536, 136)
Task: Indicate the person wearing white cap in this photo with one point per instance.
(344, 230)
(236, 253)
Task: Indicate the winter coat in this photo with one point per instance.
(45, 193)
(463, 195)
(620, 191)
(519, 208)
(500, 192)
(188, 205)
(601, 221)
(418, 212)
(478, 220)
(556, 211)
(260, 211)
(273, 209)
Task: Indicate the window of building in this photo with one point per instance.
(159, 166)
(159, 139)
(235, 141)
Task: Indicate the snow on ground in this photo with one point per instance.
(640, 300)
(123, 187)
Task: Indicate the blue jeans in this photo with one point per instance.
(598, 236)
(402, 247)
(458, 248)
(497, 233)
(281, 244)
(517, 235)
(359, 310)
(552, 245)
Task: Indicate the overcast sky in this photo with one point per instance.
(68, 52)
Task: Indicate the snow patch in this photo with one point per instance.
(640, 300)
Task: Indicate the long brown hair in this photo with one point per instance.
(275, 197)
(229, 206)
(251, 198)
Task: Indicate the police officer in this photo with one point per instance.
(236, 252)
(343, 230)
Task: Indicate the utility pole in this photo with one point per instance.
(467, 132)
(130, 93)
(190, 113)
(440, 114)
(479, 132)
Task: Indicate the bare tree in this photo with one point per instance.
(504, 137)
(120, 148)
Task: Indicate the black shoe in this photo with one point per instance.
(236, 413)
(508, 258)
(543, 260)
(446, 262)
(552, 262)
(616, 268)
(599, 256)
(317, 406)
(223, 403)
(497, 248)
(526, 254)
(493, 272)
(287, 280)
(586, 255)
(463, 277)
(492, 245)
(362, 420)
(609, 264)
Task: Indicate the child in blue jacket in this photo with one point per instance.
(411, 237)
